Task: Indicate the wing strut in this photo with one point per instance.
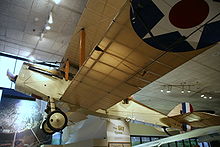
(67, 70)
(82, 47)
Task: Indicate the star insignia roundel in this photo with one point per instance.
(176, 26)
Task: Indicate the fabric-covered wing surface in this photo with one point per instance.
(195, 119)
(96, 18)
(123, 65)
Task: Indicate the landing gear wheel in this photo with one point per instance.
(46, 129)
(57, 120)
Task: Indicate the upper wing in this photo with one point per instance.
(195, 119)
(119, 65)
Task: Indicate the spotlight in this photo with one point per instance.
(169, 88)
(182, 91)
(36, 19)
(162, 88)
(41, 36)
(47, 27)
(205, 97)
(50, 21)
(189, 89)
(202, 95)
(168, 91)
(210, 97)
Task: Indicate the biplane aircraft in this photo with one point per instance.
(124, 46)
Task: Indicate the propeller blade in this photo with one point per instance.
(11, 76)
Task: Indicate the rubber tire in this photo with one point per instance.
(44, 130)
(51, 127)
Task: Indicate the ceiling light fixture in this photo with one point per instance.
(47, 27)
(168, 91)
(169, 88)
(207, 95)
(162, 89)
(184, 88)
(182, 91)
(41, 35)
(50, 20)
(57, 1)
(36, 19)
(189, 89)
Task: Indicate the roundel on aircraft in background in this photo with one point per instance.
(176, 26)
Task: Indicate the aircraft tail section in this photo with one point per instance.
(182, 108)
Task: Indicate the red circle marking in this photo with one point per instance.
(188, 13)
